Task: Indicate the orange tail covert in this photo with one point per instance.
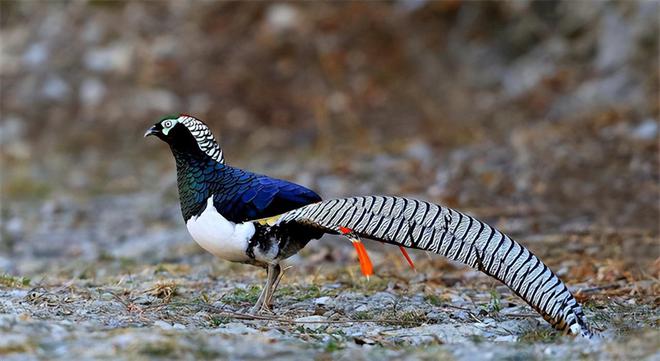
(405, 254)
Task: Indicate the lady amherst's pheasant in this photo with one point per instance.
(245, 217)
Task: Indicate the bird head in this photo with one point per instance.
(187, 134)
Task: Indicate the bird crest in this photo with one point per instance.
(199, 131)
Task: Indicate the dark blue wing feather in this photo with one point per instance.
(241, 196)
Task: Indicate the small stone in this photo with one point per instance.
(92, 32)
(614, 43)
(12, 129)
(36, 55)
(236, 328)
(364, 341)
(280, 17)
(322, 301)
(162, 324)
(337, 102)
(164, 46)
(113, 58)
(315, 322)
(14, 226)
(9, 341)
(5, 263)
(92, 91)
(420, 151)
(55, 88)
(507, 338)
(647, 130)
(145, 300)
(462, 315)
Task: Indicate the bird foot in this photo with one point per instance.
(260, 310)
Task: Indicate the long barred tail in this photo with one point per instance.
(417, 224)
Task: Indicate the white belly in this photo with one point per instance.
(219, 236)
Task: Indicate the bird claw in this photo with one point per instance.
(261, 309)
(266, 310)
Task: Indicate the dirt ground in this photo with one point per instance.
(540, 118)
(148, 291)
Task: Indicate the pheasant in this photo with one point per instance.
(254, 219)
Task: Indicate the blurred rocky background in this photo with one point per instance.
(540, 117)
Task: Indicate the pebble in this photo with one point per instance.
(280, 17)
(422, 152)
(315, 322)
(462, 315)
(615, 41)
(92, 91)
(507, 338)
(235, 328)
(112, 58)
(323, 301)
(55, 88)
(647, 130)
(36, 55)
(162, 324)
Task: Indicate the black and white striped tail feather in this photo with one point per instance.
(427, 226)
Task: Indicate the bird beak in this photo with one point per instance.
(151, 131)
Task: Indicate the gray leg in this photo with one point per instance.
(260, 301)
(280, 273)
(273, 271)
(268, 302)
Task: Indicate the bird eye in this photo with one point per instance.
(167, 123)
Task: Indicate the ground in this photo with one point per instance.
(160, 295)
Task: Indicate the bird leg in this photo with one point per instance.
(260, 301)
(274, 276)
(273, 272)
(269, 300)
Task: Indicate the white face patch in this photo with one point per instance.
(220, 237)
(168, 124)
